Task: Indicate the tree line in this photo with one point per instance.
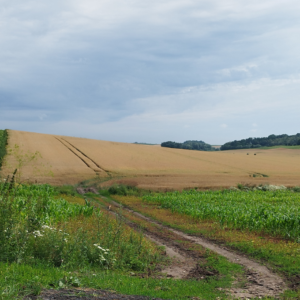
(189, 145)
(271, 140)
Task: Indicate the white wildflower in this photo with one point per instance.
(37, 233)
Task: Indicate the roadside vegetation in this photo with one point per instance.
(3, 142)
(43, 233)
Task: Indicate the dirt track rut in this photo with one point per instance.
(84, 158)
(261, 281)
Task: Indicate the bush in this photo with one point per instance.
(65, 190)
(104, 193)
(123, 190)
(296, 189)
(118, 190)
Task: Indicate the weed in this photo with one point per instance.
(37, 226)
(21, 159)
(126, 190)
(3, 143)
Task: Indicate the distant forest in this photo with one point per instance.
(271, 140)
(189, 145)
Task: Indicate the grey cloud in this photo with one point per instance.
(113, 61)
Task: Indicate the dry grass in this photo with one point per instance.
(157, 167)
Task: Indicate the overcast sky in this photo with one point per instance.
(151, 71)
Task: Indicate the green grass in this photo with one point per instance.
(276, 213)
(3, 142)
(19, 280)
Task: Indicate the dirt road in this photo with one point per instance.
(261, 282)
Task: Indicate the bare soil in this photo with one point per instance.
(84, 294)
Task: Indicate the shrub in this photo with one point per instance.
(65, 190)
(126, 190)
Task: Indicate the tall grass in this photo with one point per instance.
(3, 142)
(36, 226)
(276, 213)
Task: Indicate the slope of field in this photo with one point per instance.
(66, 166)
(74, 159)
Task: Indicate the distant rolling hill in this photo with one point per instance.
(76, 159)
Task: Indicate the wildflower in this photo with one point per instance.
(47, 227)
(37, 233)
(102, 258)
(99, 247)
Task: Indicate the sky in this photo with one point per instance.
(151, 71)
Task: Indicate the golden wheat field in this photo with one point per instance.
(75, 159)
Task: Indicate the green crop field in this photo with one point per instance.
(276, 213)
